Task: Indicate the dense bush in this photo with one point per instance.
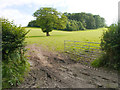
(110, 44)
(14, 61)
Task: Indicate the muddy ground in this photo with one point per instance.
(55, 70)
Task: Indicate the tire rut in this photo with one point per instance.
(53, 70)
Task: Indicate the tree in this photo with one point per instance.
(32, 24)
(49, 18)
(100, 22)
(97, 20)
(87, 20)
(90, 22)
(103, 22)
(72, 25)
(81, 27)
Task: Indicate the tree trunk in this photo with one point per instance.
(47, 34)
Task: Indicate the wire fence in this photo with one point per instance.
(82, 49)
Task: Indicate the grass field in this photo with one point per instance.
(56, 40)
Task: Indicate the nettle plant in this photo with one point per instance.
(14, 61)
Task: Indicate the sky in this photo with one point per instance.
(21, 11)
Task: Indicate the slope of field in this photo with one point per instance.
(56, 40)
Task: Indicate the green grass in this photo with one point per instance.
(56, 40)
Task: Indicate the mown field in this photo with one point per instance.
(56, 40)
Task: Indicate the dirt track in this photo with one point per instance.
(54, 70)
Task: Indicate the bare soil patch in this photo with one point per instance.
(56, 70)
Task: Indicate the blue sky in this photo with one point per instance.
(21, 11)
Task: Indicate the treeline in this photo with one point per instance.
(79, 21)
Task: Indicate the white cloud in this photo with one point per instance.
(5, 3)
(20, 17)
(105, 8)
(16, 16)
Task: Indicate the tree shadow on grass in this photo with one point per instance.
(33, 36)
(44, 36)
(57, 35)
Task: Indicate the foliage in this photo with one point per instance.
(96, 63)
(73, 22)
(73, 25)
(88, 20)
(49, 18)
(99, 61)
(99, 21)
(110, 44)
(32, 24)
(14, 61)
(14, 69)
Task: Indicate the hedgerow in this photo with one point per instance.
(14, 61)
(110, 45)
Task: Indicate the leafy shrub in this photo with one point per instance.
(110, 44)
(14, 61)
(98, 62)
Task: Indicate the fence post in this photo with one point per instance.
(64, 46)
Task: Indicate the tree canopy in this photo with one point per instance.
(49, 18)
(32, 24)
(87, 20)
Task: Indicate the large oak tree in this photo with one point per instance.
(49, 18)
